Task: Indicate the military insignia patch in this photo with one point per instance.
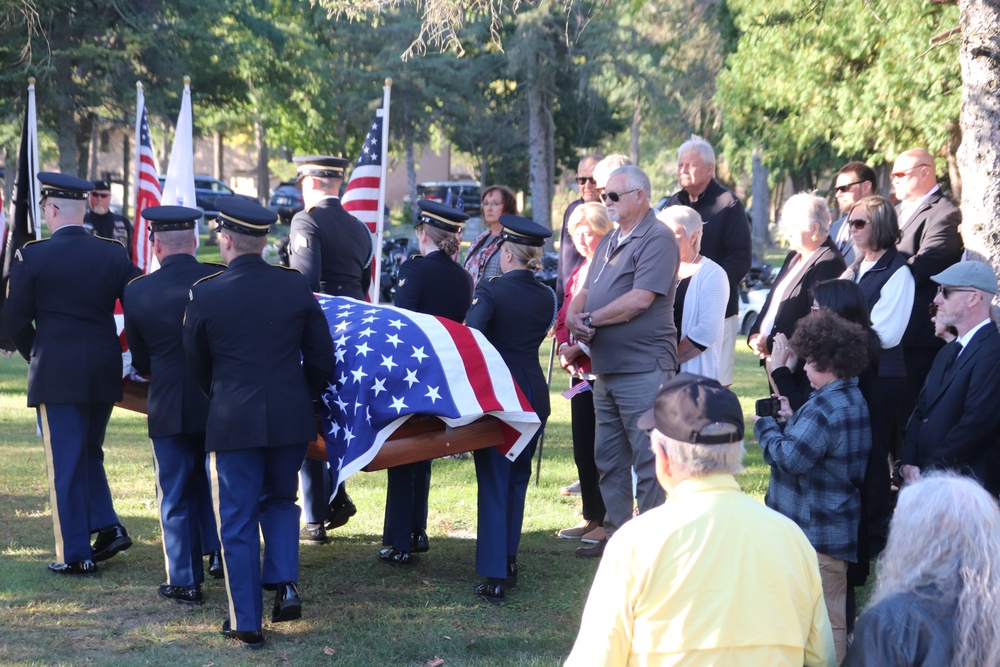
(402, 281)
(299, 242)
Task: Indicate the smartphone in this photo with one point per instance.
(768, 407)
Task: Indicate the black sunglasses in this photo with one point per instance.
(615, 196)
(946, 292)
(857, 224)
(841, 189)
(580, 180)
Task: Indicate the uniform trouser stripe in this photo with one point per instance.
(43, 419)
(213, 478)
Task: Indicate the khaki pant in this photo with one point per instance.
(833, 573)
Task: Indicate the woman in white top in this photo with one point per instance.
(702, 296)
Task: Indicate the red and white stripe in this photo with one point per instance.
(147, 192)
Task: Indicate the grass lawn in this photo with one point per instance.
(357, 610)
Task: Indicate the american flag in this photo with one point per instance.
(147, 187)
(365, 193)
(394, 363)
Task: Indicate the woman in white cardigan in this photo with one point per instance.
(702, 295)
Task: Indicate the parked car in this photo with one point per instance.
(286, 201)
(754, 288)
(206, 190)
(453, 193)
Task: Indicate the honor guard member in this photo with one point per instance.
(434, 284)
(334, 251)
(515, 312)
(60, 313)
(102, 221)
(176, 407)
(259, 346)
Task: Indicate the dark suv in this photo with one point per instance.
(206, 190)
(286, 201)
(453, 193)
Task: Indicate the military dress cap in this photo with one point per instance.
(443, 217)
(62, 186)
(969, 274)
(102, 185)
(322, 166)
(689, 403)
(170, 218)
(523, 231)
(244, 216)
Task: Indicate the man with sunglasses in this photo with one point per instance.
(956, 424)
(60, 312)
(855, 181)
(930, 240)
(726, 231)
(102, 221)
(569, 258)
(625, 315)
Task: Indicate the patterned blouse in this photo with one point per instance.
(483, 261)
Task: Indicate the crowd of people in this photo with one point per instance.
(868, 399)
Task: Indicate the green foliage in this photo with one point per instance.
(819, 85)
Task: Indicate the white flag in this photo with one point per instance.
(178, 188)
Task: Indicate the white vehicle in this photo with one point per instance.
(750, 304)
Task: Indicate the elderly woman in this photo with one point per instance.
(701, 299)
(805, 222)
(818, 459)
(514, 312)
(435, 284)
(483, 259)
(935, 601)
(587, 226)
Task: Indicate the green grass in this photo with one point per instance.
(357, 611)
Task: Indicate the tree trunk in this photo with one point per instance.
(979, 153)
(93, 148)
(83, 144)
(538, 162)
(634, 130)
(66, 129)
(411, 162)
(954, 173)
(126, 167)
(263, 176)
(760, 214)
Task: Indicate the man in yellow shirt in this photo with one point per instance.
(711, 577)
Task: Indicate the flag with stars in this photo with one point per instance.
(364, 197)
(394, 363)
(147, 185)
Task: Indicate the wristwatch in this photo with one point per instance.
(589, 321)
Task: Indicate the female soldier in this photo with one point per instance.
(514, 312)
(435, 285)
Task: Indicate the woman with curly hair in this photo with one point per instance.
(818, 458)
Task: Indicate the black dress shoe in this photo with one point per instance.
(421, 544)
(109, 542)
(395, 557)
(492, 593)
(313, 533)
(215, 567)
(183, 594)
(252, 639)
(79, 567)
(341, 511)
(287, 603)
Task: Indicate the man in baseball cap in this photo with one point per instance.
(956, 424)
(711, 575)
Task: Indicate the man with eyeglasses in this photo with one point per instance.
(625, 315)
(569, 258)
(102, 221)
(725, 236)
(855, 181)
(60, 312)
(956, 423)
(930, 240)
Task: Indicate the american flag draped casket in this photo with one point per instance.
(407, 387)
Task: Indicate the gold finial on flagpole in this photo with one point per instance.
(138, 85)
(388, 81)
(31, 80)
(187, 80)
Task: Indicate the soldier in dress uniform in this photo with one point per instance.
(60, 313)
(258, 345)
(435, 284)
(177, 408)
(102, 221)
(514, 311)
(334, 251)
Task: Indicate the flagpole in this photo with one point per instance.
(380, 219)
(140, 104)
(33, 159)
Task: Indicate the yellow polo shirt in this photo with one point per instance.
(711, 577)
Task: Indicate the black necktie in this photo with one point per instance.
(951, 360)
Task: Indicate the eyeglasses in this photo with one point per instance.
(582, 180)
(857, 223)
(100, 195)
(615, 196)
(841, 189)
(45, 202)
(946, 291)
(904, 172)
